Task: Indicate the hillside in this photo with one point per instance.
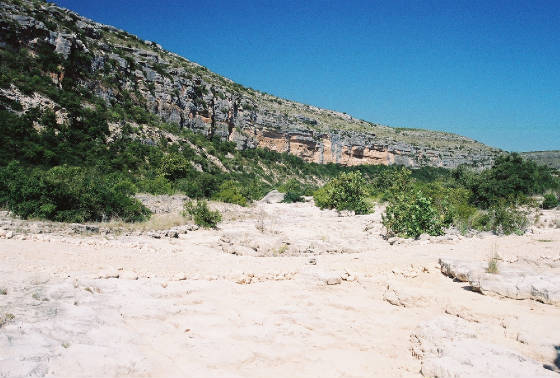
(549, 158)
(143, 85)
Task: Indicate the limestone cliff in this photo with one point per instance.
(122, 67)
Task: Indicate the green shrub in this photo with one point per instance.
(506, 219)
(69, 194)
(411, 214)
(230, 192)
(481, 221)
(155, 185)
(510, 179)
(392, 179)
(291, 197)
(294, 191)
(255, 189)
(201, 214)
(452, 203)
(501, 218)
(198, 185)
(550, 201)
(174, 166)
(463, 217)
(345, 192)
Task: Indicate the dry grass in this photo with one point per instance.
(155, 223)
(5, 318)
(260, 221)
(492, 266)
(493, 261)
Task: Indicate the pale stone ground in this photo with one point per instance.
(252, 300)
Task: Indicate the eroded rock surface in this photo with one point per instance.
(451, 347)
(523, 279)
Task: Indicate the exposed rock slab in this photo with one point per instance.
(517, 280)
(450, 347)
(273, 197)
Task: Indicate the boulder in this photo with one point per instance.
(180, 276)
(273, 197)
(517, 280)
(404, 296)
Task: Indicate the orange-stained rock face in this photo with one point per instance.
(205, 119)
(272, 140)
(356, 155)
(322, 151)
(303, 148)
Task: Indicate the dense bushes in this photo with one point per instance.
(294, 191)
(231, 192)
(345, 192)
(411, 214)
(69, 194)
(201, 214)
(511, 178)
(486, 201)
(550, 201)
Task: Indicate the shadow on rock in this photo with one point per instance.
(556, 366)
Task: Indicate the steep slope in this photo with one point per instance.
(120, 68)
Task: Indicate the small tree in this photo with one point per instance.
(345, 192)
(231, 192)
(174, 166)
(411, 214)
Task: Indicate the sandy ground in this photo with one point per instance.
(252, 299)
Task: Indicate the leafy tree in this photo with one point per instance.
(345, 192)
(174, 166)
(231, 192)
(411, 214)
(511, 178)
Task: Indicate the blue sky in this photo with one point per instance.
(489, 70)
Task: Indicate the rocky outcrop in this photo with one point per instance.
(187, 94)
(550, 158)
(517, 280)
(452, 347)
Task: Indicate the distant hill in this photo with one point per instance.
(550, 158)
(128, 73)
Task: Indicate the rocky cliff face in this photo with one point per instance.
(120, 67)
(550, 158)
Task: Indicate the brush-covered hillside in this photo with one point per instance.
(47, 49)
(91, 116)
(81, 129)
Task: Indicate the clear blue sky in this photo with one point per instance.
(489, 70)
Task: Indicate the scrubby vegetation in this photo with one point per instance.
(348, 191)
(84, 158)
(411, 214)
(202, 215)
(550, 201)
(491, 200)
(69, 194)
